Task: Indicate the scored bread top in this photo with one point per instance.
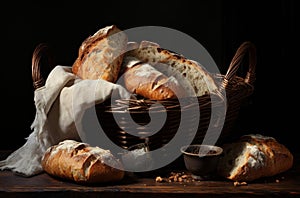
(100, 55)
(82, 163)
(73, 148)
(144, 80)
(193, 77)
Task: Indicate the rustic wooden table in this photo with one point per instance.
(284, 185)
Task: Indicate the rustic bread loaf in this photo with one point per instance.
(192, 76)
(145, 80)
(81, 163)
(100, 56)
(253, 157)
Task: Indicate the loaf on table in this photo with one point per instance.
(81, 163)
(100, 56)
(252, 157)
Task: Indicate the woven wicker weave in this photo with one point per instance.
(237, 89)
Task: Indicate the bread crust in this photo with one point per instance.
(100, 56)
(254, 157)
(81, 163)
(200, 81)
(144, 80)
(279, 157)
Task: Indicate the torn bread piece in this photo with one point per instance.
(254, 156)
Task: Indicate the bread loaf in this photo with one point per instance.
(145, 80)
(253, 157)
(100, 56)
(192, 76)
(81, 163)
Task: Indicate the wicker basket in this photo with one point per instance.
(237, 89)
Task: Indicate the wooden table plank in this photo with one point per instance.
(133, 185)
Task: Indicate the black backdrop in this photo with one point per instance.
(220, 26)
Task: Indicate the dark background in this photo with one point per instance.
(220, 26)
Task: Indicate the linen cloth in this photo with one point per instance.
(60, 104)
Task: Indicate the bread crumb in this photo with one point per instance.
(277, 181)
(176, 177)
(236, 183)
(158, 179)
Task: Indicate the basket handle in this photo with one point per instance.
(42, 58)
(236, 61)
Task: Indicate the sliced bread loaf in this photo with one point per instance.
(192, 76)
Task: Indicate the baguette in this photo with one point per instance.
(253, 157)
(192, 76)
(145, 80)
(100, 56)
(81, 163)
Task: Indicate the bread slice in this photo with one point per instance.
(100, 56)
(254, 157)
(192, 76)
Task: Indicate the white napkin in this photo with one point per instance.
(56, 116)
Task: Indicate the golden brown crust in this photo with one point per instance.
(143, 79)
(100, 55)
(81, 163)
(198, 79)
(279, 157)
(253, 157)
(104, 173)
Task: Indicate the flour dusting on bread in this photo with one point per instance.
(100, 56)
(254, 156)
(82, 163)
